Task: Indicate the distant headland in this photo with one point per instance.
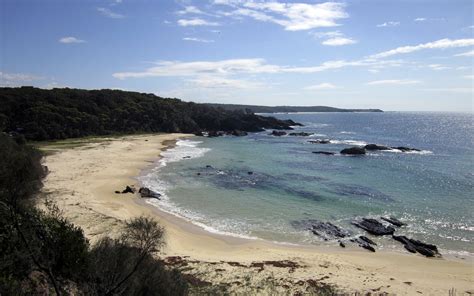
(288, 109)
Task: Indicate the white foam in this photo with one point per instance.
(349, 142)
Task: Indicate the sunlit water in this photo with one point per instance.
(430, 190)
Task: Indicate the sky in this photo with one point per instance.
(406, 55)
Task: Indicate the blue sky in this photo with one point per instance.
(393, 55)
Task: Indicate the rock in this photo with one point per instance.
(405, 149)
(128, 189)
(324, 152)
(239, 133)
(147, 193)
(186, 157)
(393, 220)
(353, 151)
(341, 244)
(250, 173)
(300, 134)
(368, 247)
(118, 192)
(373, 147)
(278, 133)
(208, 166)
(320, 141)
(374, 227)
(367, 240)
(413, 246)
(213, 134)
(325, 230)
(200, 133)
(199, 174)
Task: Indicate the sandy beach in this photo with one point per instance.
(83, 179)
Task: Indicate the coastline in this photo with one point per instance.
(82, 182)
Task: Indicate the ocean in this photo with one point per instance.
(260, 186)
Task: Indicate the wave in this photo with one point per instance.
(349, 142)
(184, 149)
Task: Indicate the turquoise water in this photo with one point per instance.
(207, 180)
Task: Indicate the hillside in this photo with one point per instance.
(60, 113)
(285, 109)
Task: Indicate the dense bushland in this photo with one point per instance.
(43, 253)
(41, 114)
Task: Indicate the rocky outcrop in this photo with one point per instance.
(405, 149)
(301, 134)
(364, 242)
(375, 147)
(393, 220)
(374, 227)
(278, 133)
(238, 133)
(324, 152)
(129, 189)
(148, 193)
(320, 141)
(353, 151)
(416, 246)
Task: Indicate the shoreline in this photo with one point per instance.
(112, 164)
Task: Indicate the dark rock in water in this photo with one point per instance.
(118, 192)
(199, 133)
(325, 230)
(147, 193)
(238, 133)
(213, 134)
(367, 240)
(342, 245)
(128, 189)
(372, 147)
(324, 152)
(353, 151)
(413, 246)
(300, 134)
(208, 166)
(250, 173)
(393, 220)
(374, 227)
(320, 141)
(186, 157)
(199, 174)
(405, 149)
(278, 133)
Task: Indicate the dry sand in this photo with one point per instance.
(82, 182)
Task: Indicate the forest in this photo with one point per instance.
(40, 114)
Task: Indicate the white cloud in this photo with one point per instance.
(393, 82)
(206, 81)
(321, 86)
(197, 40)
(462, 90)
(109, 13)
(17, 79)
(438, 67)
(388, 24)
(196, 22)
(465, 54)
(190, 10)
(333, 38)
(71, 39)
(291, 16)
(439, 44)
(338, 41)
(249, 66)
(420, 19)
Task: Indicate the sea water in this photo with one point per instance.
(257, 186)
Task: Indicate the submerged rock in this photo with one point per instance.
(324, 152)
(393, 220)
(415, 246)
(320, 141)
(374, 227)
(367, 240)
(278, 133)
(353, 151)
(364, 242)
(325, 230)
(373, 147)
(301, 134)
(148, 193)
